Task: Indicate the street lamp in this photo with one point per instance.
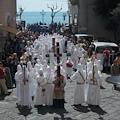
(71, 19)
(64, 15)
(43, 14)
(75, 20)
(21, 11)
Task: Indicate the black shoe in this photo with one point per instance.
(115, 88)
(89, 105)
(75, 70)
(68, 77)
(97, 106)
(101, 87)
(8, 93)
(74, 105)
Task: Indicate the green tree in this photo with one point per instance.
(109, 10)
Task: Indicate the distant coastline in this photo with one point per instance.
(32, 17)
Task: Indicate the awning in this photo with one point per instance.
(9, 29)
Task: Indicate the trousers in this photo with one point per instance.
(3, 86)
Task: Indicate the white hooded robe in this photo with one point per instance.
(49, 88)
(79, 92)
(93, 97)
(39, 98)
(25, 95)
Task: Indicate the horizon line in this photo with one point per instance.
(40, 11)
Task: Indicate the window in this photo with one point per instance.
(110, 48)
(88, 38)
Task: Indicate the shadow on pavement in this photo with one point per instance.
(56, 118)
(83, 109)
(101, 87)
(43, 110)
(2, 97)
(98, 110)
(25, 111)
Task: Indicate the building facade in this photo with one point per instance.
(8, 13)
(7, 18)
(84, 20)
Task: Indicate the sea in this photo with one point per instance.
(36, 17)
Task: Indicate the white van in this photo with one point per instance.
(99, 47)
(84, 36)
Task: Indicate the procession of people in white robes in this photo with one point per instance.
(37, 79)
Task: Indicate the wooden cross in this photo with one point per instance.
(58, 55)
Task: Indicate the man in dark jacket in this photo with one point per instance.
(112, 57)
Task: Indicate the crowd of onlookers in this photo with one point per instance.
(13, 50)
(53, 27)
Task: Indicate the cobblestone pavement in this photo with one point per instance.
(109, 107)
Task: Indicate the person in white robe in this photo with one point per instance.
(89, 66)
(76, 57)
(19, 70)
(80, 52)
(79, 92)
(95, 80)
(49, 88)
(28, 49)
(30, 70)
(100, 68)
(69, 67)
(99, 65)
(39, 98)
(72, 49)
(25, 96)
(46, 49)
(44, 66)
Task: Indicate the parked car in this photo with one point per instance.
(99, 47)
(87, 37)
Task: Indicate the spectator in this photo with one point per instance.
(106, 54)
(2, 80)
(119, 47)
(89, 51)
(115, 70)
(118, 59)
(112, 57)
(15, 62)
(10, 64)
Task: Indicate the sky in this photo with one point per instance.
(39, 5)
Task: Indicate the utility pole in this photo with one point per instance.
(43, 14)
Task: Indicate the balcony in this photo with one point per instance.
(74, 2)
